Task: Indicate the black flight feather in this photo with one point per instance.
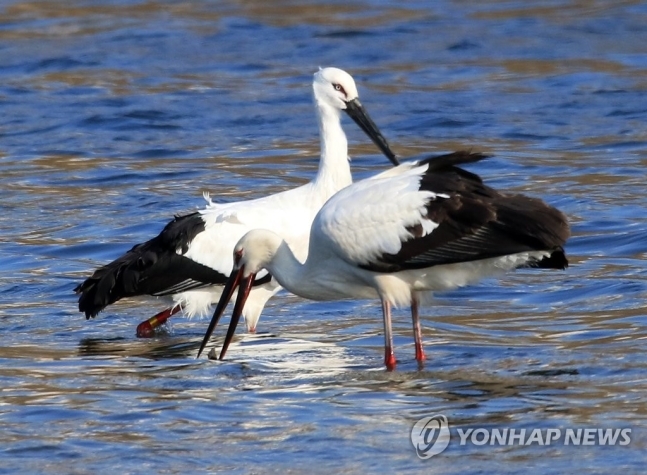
(152, 268)
(476, 222)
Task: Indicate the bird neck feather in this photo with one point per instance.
(334, 168)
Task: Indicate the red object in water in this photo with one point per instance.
(147, 329)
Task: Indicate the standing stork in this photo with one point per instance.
(423, 226)
(191, 258)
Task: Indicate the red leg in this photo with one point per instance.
(389, 357)
(417, 332)
(147, 329)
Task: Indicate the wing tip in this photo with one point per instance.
(556, 260)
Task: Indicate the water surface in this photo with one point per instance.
(116, 116)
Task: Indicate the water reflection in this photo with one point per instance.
(159, 348)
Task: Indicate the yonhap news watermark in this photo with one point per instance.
(431, 435)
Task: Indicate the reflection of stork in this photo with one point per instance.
(422, 226)
(191, 258)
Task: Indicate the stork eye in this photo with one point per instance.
(338, 87)
(238, 255)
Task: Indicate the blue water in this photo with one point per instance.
(114, 116)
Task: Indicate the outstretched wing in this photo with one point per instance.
(156, 267)
(160, 266)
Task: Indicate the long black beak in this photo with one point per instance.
(243, 293)
(356, 111)
(225, 297)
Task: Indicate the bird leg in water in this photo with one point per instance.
(147, 329)
(389, 357)
(417, 332)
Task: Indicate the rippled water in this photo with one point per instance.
(114, 116)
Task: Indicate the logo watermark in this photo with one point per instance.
(431, 435)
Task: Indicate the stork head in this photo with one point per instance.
(335, 89)
(254, 252)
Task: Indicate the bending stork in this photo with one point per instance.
(423, 226)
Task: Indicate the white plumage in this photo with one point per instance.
(357, 233)
(400, 235)
(191, 259)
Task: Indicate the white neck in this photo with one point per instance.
(289, 272)
(286, 268)
(334, 168)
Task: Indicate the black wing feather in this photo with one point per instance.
(150, 268)
(476, 222)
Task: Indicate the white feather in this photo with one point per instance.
(289, 213)
(370, 218)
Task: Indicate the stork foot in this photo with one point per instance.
(145, 330)
(389, 359)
